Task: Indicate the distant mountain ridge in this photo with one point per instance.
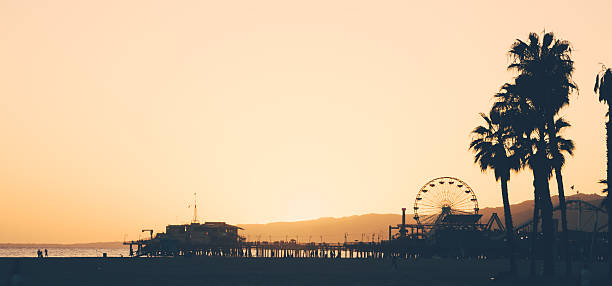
(329, 229)
(364, 227)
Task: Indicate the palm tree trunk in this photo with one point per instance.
(609, 177)
(543, 190)
(509, 227)
(564, 235)
(534, 232)
(547, 228)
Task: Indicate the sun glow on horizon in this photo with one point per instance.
(114, 113)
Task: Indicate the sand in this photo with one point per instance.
(267, 271)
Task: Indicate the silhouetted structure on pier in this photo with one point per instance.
(447, 225)
(187, 239)
(444, 230)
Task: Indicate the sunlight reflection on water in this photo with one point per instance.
(64, 252)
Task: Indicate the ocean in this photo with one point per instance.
(64, 252)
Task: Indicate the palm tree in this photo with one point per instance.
(493, 151)
(558, 161)
(521, 115)
(524, 145)
(545, 69)
(603, 85)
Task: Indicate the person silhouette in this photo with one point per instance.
(46, 253)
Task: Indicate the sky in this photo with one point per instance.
(114, 113)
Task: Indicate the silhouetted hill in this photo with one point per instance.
(330, 229)
(334, 229)
(355, 227)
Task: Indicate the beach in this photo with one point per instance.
(266, 271)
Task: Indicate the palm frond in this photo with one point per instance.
(481, 130)
(548, 38)
(603, 85)
(566, 145)
(561, 123)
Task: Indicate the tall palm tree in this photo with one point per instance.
(558, 161)
(545, 72)
(492, 145)
(603, 85)
(521, 115)
(524, 147)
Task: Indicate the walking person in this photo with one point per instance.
(46, 253)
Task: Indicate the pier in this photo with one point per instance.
(446, 231)
(276, 249)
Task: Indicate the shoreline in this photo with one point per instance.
(112, 244)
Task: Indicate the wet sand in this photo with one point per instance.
(266, 271)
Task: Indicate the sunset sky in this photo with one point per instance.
(113, 113)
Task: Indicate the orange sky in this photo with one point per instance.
(113, 113)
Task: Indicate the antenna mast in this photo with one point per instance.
(195, 210)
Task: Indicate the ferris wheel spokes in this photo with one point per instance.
(441, 197)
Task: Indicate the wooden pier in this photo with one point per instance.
(277, 249)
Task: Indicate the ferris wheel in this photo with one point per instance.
(441, 197)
